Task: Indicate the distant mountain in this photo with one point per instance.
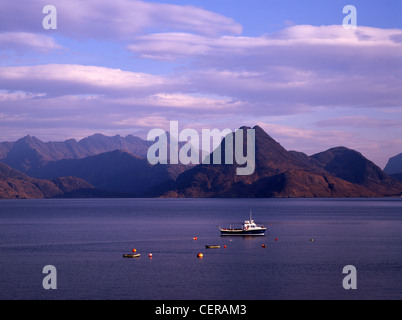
(394, 165)
(31, 153)
(116, 171)
(353, 167)
(16, 185)
(338, 172)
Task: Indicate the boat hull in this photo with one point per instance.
(229, 232)
(131, 256)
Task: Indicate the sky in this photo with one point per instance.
(129, 66)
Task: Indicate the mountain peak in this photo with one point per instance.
(258, 128)
(29, 139)
(342, 149)
(350, 165)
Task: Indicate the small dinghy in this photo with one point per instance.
(131, 255)
(213, 247)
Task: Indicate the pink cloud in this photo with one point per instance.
(21, 41)
(61, 80)
(118, 19)
(359, 121)
(177, 45)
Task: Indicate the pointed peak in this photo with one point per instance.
(258, 128)
(94, 137)
(341, 151)
(29, 139)
(97, 135)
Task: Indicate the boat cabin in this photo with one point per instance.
(249, 224)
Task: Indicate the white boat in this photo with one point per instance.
(249, 228)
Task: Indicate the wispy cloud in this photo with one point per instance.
(316, 66)
(118, 19)
(359, 121)
(59, 80)
(21, 41)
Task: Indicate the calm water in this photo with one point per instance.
(85, 241)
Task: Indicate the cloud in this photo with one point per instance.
(149, 122)
(60, 96)
(190, 102)
(359, 121)
(59, 80)
(115, 86)
(328, 38)
(21, 41)
(294, 71)
(300, 65)
(118, 19)
(311, 140)
(6, 96)
(315, 139)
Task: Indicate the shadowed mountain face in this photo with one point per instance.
(338, 172)
(394, 166)
(397, 176)
(116, 171)
(16, 185)
(353, 167)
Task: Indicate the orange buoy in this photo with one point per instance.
(150, 255)
(225, 247)
(264, 246)
(195, 238)
(276, 239)
(200, 255)
(134, 250)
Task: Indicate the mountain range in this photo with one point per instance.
(101, 166)
(31, 153)
(338, 172)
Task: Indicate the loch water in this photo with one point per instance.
(308, 243)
